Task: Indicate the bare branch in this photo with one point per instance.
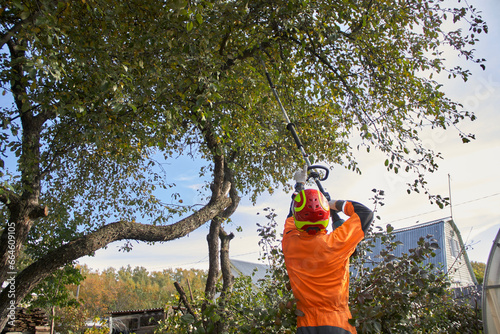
(184, 300)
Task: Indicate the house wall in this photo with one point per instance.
(410, 237)
(450, 254)
(139, 322)
(458, 266)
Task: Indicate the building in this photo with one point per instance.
(256, 271)
(491, 290)
(451, 256)
(136, 321)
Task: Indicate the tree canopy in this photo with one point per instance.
(104, 91)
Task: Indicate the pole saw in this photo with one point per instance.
(291, 127)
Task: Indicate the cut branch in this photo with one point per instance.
(183, 298)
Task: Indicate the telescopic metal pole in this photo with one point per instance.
(291, 127)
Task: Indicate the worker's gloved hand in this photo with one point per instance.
(336, 220)
(336, 205)
(300, 176)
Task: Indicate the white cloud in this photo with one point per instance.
(196, 186)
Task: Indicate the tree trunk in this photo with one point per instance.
(227, 278)
(213, 237)
(213, 259)
(217, 232)
(23, 208)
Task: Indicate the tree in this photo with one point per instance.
(53, 292)
(479, 269)
(98, 101)
(133, 288)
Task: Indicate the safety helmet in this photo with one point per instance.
(311, 209)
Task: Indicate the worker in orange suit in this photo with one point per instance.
(317, 261)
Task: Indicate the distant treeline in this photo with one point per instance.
(133, 289)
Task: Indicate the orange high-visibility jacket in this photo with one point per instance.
(318, 268)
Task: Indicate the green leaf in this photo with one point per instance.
(199, 18)
(187, 318)
(18, 4)
(24, 15)
(179, 4)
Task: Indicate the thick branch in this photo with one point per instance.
(39, 211)
(88, 244)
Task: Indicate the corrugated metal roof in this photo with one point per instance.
(409, 236)
(417, 226)
(161, 309)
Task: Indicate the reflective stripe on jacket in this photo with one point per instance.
(318, 268)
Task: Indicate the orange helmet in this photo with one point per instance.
(311, 209)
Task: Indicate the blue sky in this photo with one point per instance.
(470, 170)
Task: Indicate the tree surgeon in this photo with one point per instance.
(317, 261)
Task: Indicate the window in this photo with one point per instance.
(454, 247)
(134, 323)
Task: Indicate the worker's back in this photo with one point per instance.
(318, 268)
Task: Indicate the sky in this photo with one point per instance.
(468, 172)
